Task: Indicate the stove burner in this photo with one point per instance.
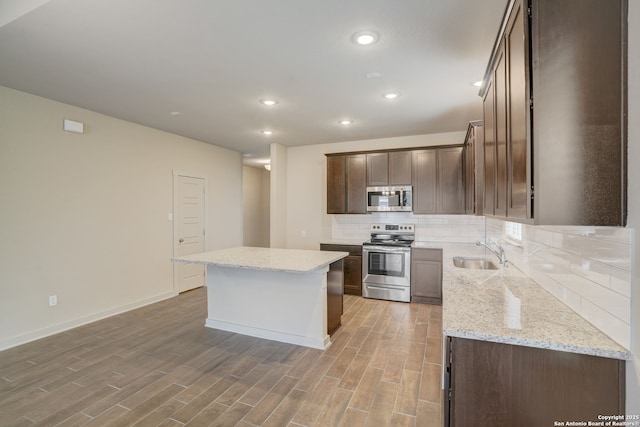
(389, 242)
(401, 235)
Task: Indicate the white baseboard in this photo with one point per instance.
(321, 344)
(65, 326)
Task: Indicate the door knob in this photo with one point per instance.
(181, 240)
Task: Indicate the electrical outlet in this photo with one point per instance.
(303, 234)
(53, 300)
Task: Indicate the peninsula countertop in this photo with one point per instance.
(269, 259)
(506, 306)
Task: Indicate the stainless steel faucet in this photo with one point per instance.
(495, 249)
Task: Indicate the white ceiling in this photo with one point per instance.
(213, 60)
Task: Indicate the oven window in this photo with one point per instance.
(386, 264)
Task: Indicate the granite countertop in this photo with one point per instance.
(506, 306)
(270, 259)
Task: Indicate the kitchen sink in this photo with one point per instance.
(474, 263)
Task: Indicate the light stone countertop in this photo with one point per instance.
(270, 259)
(506, 306)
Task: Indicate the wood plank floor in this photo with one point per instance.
(159, 366)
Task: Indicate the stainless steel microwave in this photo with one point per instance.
(389, 199)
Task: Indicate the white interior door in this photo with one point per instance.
(189, 209)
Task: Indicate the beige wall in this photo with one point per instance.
(255, 206)
(85, 217)
(279, 196)
(11, 10)
(633, 368)
(306, 183)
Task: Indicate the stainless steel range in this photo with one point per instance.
(386, 262)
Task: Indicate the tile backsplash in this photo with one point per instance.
(439, 228)
(587, 268)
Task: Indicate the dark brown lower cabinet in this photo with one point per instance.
(335, 293)
(494, 384)
(352, 267)
(426, 275)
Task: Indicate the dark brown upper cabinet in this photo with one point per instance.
(436, 174)
(346, 184)
(517, 112)
(356, 184)
(424, 181)
(336, 184)
(438, 184)
(489, 152)
(500, 118)
(555, 114)
(400, 166)
(377, 169)
(450, 181)
(390, 168)
(474, 168)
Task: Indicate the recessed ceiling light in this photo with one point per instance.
(267, 132)
(175, 113)
(373, 75)
(365, 38)
(478, 83)
(269, 101)
(391, 95)
(248, 155)
(346, 122)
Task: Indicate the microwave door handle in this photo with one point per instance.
(403, 201)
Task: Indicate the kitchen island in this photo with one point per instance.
(277, 294)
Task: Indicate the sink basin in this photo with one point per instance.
(474, 263)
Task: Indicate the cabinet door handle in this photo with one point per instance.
(181, 240)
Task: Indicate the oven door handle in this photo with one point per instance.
(387, 287)
(387, 249)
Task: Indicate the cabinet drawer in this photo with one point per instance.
(426, 254)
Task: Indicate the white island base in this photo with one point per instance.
(276, 305)
(276, 294)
